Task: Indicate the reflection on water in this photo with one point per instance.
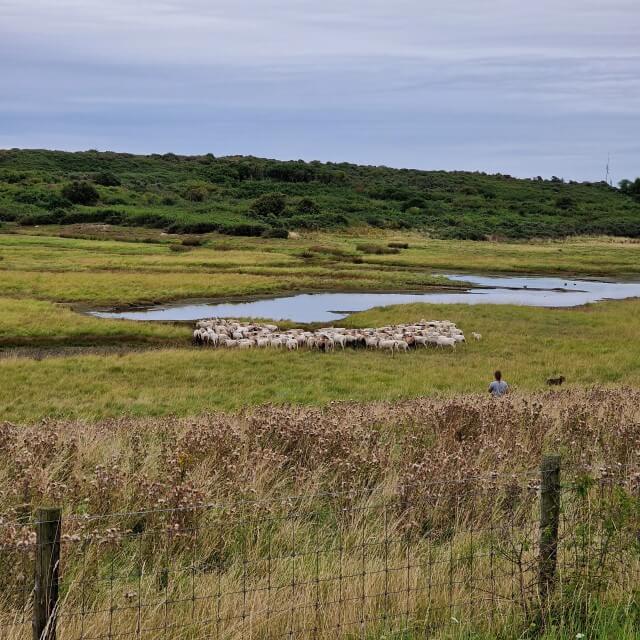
(328, 307)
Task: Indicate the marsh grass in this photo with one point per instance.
(111, 272)
(33, 323)
(41, 272)
(116, 273)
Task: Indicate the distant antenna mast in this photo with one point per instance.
(607, 177)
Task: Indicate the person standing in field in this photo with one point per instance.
(498, 387)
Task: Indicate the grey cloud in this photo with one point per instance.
(525, 88)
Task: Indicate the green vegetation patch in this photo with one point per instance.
(248, 196)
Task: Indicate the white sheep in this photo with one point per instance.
(403, 337)
(389, 345)
(371, 342)
(444, 341)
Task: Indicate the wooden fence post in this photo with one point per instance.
(47, 563)
(549, 523)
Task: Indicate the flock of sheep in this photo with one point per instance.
(218, 332)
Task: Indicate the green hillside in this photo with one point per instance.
(254, 196)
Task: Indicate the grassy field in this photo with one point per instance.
(45, 275)
(108, 272)
(125, 248)
(596, 344)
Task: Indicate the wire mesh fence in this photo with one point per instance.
(409, 561)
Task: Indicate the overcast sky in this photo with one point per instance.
(527, 88)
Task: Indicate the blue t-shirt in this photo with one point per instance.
(498, 388)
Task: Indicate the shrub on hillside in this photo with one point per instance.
(277, 232)
(470, 233)
(320, 221)
(294, 171)
(105, 216)
(245, 229)
(107, 179)
(12, 177)
(55, 201)
(81, 193)
(29, 196)
(114, 200)
(43, 217)
(269, 205)
(7, 214)
(565, 202)
(195, 192)
(307, 206)
(313, 223)
(631, 188)
(180, 226)
(153, 220)
(414, 203)
(43, 198)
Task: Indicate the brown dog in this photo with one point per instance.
(556, 382)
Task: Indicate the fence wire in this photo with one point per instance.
(368, 563)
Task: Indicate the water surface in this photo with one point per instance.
(328, 307)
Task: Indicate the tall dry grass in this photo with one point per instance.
(141, 464)
(350, 521)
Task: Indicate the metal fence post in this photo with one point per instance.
(549, 523)
(47, 563)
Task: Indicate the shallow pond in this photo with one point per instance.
(328, 307)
